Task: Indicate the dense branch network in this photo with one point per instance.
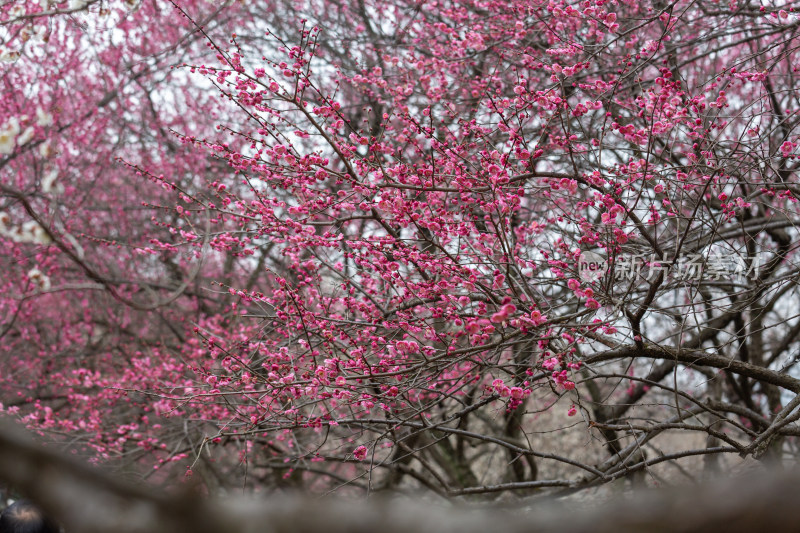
(468, 248)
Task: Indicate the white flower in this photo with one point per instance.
(48, 182)
(40, 236)
(26, 136)
(16, 234)
(28, 226)
(46, 149)
(12, 124)
(43, 118)
(38, 278)
(7, 142)
(39, 33)
(8, 136)
(8, 56)
(31, 231)
(5, 222)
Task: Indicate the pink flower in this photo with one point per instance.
(360, 453)
(498, 317)
(508, 309)
(572, 411)
(537, 318)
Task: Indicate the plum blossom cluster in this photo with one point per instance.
(515, 395)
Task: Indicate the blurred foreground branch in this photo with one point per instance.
(86, 500)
